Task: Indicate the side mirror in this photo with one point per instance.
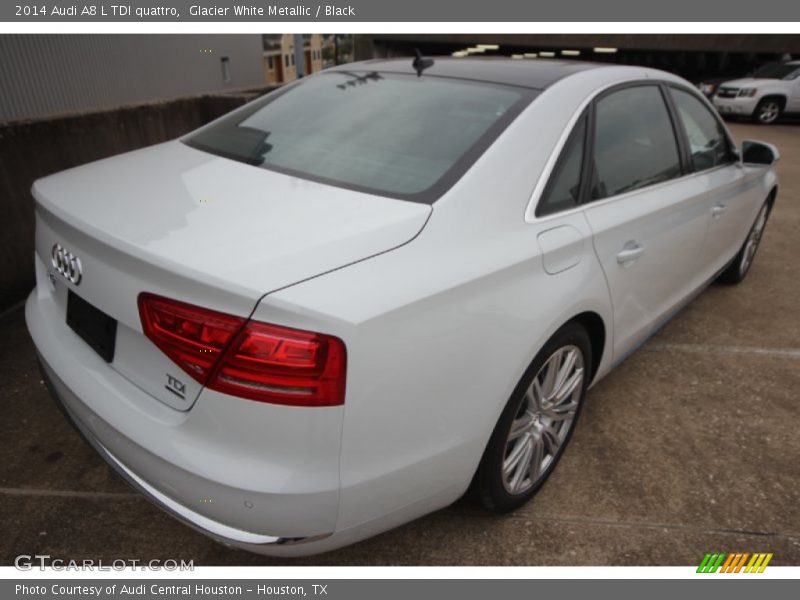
(759, 153)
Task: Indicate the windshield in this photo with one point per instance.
(776, 71)
(403, 136)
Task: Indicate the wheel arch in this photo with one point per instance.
(772, 196)
(775, 96)
(596, 328)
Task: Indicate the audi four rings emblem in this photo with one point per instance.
(66, 263)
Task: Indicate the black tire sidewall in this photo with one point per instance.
(489, 477)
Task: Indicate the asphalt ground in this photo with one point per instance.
(689, 446)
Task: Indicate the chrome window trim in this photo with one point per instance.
(552, 161)
(627, 195)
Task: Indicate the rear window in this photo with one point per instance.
(390, 134)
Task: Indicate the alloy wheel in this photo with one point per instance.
(753, 240)
(544, 419)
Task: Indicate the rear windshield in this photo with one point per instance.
(395, 135)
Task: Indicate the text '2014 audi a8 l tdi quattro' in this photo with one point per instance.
(336, 308)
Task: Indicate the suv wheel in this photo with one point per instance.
(768, 111)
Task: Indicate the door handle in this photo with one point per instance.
(717, 210)
(629, 253)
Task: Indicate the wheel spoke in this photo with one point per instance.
(537, 457)
(521, 465)
(520, 426)
(565, 369)
(516, 454)
(533, 396)
(568, 387)
(549, 437)
(563, 412)
(548, 385)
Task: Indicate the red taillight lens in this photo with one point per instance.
(254, 360)
(191, 336)
(284, 366)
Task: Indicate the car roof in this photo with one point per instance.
(536, 74)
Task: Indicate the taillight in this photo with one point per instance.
(249, 359)
(191, 336)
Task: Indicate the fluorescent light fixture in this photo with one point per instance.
(531, 55)
(476, 50)
(460, 53)
(605, 50)
(488, 46)
(547, 54)
(570, 52)
(517, 56)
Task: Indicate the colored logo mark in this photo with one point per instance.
(734, 562)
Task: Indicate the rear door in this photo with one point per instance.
(648, 216)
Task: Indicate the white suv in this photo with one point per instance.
(770, 92)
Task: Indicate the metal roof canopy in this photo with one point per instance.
(535, 74)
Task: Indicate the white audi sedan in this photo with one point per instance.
(339, 307)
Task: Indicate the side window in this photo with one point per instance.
(634, 142)
(708, 144)
(562, 190)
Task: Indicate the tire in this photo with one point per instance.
(543, 432)
(740, 266)
(768, 111)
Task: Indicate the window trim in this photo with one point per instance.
(733, 156)
(584, 118)
(679, 131)
(587, 108)
(658, 84)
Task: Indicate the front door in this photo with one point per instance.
(733, 190)
(648, 217)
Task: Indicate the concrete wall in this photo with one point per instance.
(41, 75)
(32, 149)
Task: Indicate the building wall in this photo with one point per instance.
(313, 53)
(32, 149)
(273, 67)
(42, 75)
(278, 60)
(289, 65)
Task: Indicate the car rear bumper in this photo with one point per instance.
(742, 107)
(269, 515)
(80, 416)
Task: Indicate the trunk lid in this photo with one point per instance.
(210, 231)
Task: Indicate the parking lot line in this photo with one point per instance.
(724, 349)
(4, 491)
